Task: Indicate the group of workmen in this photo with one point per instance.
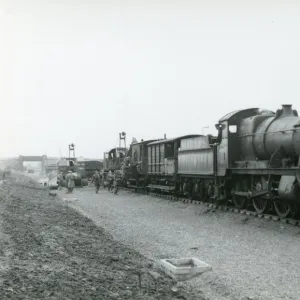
(112, 181)
(97, 179)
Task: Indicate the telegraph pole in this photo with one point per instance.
(71, 149)
(122, 136)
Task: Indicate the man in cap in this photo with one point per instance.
(110, 179)
(117, 176)
(70, 179)
(97, 181)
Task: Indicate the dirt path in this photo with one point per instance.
(251, 258)
(50, 251)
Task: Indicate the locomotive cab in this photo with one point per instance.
(228, 149)
(114, 158)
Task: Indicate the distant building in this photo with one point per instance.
(62, 162)
(51, 164)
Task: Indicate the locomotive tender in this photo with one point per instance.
(253, 160)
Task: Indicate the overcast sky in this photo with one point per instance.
(82, 71)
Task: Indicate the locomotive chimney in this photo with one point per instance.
(287, 110)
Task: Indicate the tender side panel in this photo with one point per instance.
(198, 162)
(200, 142)
(196, 157)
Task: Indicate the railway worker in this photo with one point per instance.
(123, 167)
(116, 177)
(101, 178)
(110, 179)
(59, 180)
(97, 181)
(70, 179)
(124, 173)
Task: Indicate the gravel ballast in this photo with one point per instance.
(251, 258)
(51, 251)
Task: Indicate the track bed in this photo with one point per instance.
(250, 257)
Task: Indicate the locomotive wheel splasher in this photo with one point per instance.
(240, 201)
(288, 191)
(286, 209)
(283, 209)
(262, 204)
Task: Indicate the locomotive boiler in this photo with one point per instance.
(264, 134)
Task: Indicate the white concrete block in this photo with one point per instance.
(184, 268)
(70, 199)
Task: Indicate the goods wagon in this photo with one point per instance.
(135, 166)
(163, 163)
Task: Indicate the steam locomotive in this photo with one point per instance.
(254, 160)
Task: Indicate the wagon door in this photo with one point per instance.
(169, 161)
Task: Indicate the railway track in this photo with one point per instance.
(224, 208)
